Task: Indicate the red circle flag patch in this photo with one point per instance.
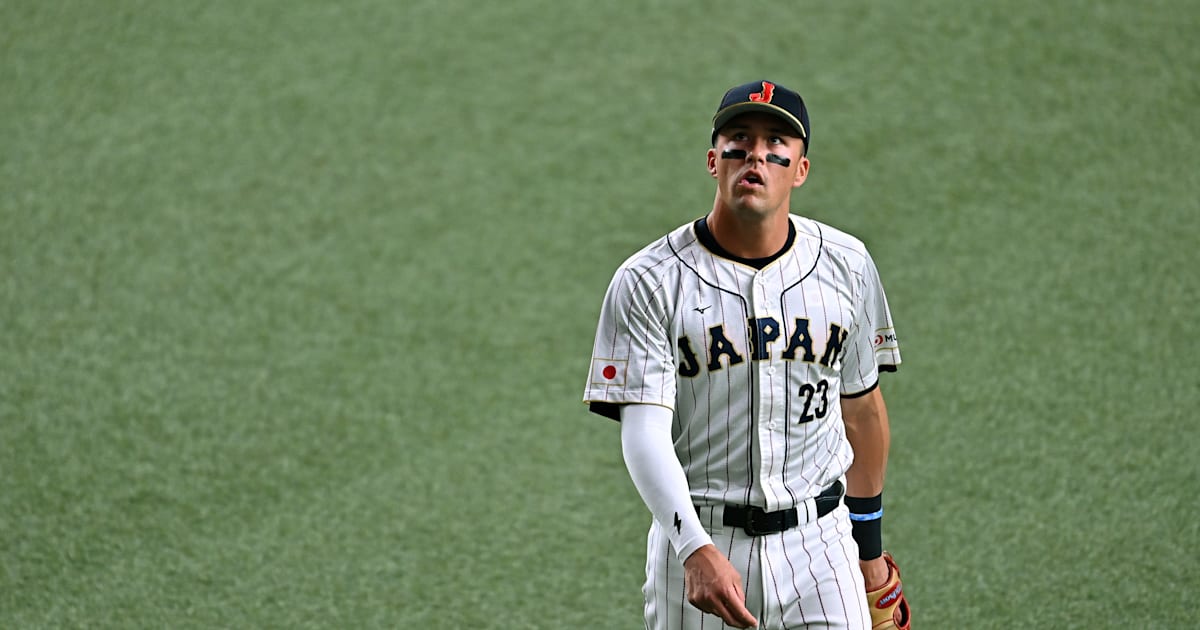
(608, 371)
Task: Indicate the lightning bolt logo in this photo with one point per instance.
(678, 523)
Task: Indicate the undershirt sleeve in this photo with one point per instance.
(649, 454)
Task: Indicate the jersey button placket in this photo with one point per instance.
(771, 470)
(769, 390)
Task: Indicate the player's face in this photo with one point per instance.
(752, 183)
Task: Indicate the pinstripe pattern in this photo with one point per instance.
(805, 577)
(738, 422)
(752, 362)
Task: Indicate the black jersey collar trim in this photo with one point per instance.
(710, 243)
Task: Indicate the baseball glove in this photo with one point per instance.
(889, 608)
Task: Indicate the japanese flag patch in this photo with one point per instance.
(609, 371)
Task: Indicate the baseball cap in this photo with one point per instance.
(763, 96)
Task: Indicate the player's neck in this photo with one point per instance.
(757, 237)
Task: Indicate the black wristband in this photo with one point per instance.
(866, 520)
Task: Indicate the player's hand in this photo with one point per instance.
(885, 596)
(875, 572)
(715, 587)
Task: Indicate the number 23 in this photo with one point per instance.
(808, 392)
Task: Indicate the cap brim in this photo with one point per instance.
(725, 115)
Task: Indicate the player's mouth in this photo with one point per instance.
(751, 179)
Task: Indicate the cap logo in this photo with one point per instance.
(767, 93)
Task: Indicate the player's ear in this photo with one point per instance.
(712, 162)
(801, 172)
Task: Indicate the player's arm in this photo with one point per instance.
(867, 429)
(713, 585)
(649, 453)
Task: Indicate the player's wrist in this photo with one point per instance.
(690, 542)
(698, 554)
(876, 573)
(866, 523)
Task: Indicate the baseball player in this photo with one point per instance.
(741, 354)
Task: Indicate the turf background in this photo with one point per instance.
(297, 298)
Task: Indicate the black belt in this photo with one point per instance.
(756, 522)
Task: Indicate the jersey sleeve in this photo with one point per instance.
(872, 346)
(632, 358)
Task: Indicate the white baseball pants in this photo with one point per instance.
(804, 577)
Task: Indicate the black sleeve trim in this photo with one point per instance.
(887, 368)
(863, 392)
(612, 411)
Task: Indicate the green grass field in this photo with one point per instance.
(298, 299)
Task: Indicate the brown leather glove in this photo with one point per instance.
(889, 608)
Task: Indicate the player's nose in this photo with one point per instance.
(758, 150)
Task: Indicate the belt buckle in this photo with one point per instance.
(750, 528)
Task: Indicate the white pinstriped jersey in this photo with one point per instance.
(752, 362)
